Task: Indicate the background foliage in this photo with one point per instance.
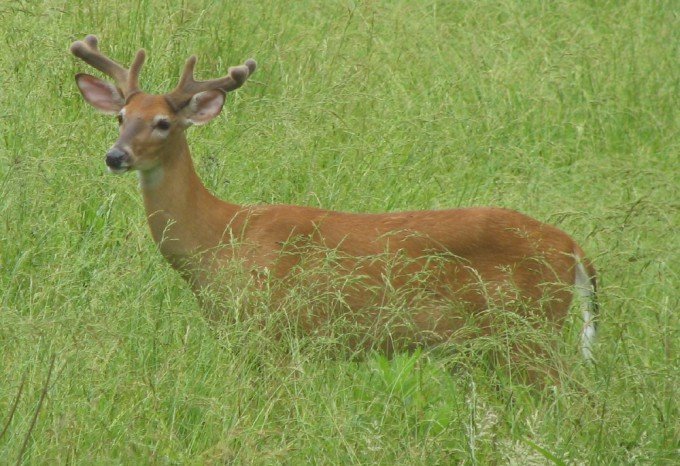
(565, 110)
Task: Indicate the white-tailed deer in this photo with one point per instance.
(462, 262)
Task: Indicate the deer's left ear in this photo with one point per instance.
(203, 107)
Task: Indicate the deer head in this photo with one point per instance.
(150, 125)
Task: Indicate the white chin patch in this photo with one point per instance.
(118, 171)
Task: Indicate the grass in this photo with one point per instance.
(567, 111)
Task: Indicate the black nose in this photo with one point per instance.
(115, 158)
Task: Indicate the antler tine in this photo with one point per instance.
(127, 80)
(188, 86)
(135, 68)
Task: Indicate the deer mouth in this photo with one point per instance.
(119, 170)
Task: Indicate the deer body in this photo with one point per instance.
(472, 256)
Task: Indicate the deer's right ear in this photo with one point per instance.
(103, 96)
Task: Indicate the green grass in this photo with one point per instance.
(565, 110)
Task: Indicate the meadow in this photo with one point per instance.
(567, 111)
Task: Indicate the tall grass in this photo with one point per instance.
(567, 111)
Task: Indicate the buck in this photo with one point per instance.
(466, 260)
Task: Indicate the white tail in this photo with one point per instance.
(585, 286)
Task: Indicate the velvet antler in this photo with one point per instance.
(188, 86)
(127, 80)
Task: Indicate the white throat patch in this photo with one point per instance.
(149, 179)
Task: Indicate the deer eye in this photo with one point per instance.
(163, 125)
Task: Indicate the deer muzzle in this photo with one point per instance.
(117, 160)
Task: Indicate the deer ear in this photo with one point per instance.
(203, 107)
(102, 95)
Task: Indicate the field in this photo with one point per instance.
(567, 111)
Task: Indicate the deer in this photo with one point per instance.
(467, 259)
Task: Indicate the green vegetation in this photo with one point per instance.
(565, 110)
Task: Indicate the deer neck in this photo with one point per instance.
(184, 217)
